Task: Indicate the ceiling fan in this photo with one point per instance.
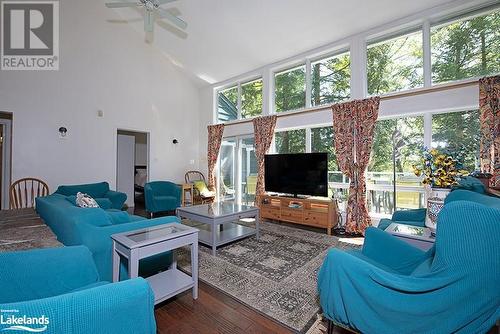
(151, 7)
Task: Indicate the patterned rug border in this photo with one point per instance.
(274, 228)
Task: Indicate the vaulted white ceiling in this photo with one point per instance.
(230, 37)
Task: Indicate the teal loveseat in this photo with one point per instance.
(392, 287)
(107, 199)
(161, 196)
(62, 289)
(93, 228)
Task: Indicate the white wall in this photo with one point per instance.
(103, 66)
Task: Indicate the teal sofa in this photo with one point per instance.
(93, 228)
(392, 287)
(161, 196)
(416, 217)
(107, 199)
(64, 286)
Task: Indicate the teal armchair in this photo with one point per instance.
(392, 287)
(469, 188)
(106, 198)
(63, 286)
(161, 196)
(414, 217)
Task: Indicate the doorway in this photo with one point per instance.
(132, 165)
(5, 158)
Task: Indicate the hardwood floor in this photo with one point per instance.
(212, 312)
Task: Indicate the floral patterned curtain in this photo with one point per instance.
(354, 127)
(489, 107)
(215, 133)
(264, 131)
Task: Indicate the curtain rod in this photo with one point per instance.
(391, 96)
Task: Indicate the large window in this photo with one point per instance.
(251, 98)
(466, 48)
(395, 64)
(330, 79)
(398, 145)
(290, 89)
(459, 134)
(322, 141)
(227, 104)
(293, 141)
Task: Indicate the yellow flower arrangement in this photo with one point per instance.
(439, 169)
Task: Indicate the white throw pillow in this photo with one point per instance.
(85, 201)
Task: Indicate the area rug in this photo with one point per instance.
(275, 275)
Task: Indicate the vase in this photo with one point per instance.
(435, 202)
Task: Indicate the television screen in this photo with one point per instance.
(297, 174)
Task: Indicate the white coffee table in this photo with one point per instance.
(139, 244)
(420, 237)
(221, 217)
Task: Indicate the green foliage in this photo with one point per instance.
(403, 137)
(459, 133)
(322, 141)
(293, 141)
(395, 64)
(331, 80)
(466, 49)
(290, 89)
(251, 99)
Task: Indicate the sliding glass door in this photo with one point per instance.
(248, 170)
(227, 170)
(237, 170)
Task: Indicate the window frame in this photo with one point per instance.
(447, 20)
(238, 85)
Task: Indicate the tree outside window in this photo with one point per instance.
(466, 48)
(251, 99)
(330, 80)
(395, 64)
(459, 133)
(293, 141)
(290, 89)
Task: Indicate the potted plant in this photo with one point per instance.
(440, 172)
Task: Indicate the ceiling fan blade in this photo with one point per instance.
(122, 4)
(172, 18)
(162, 2)
(148, 21)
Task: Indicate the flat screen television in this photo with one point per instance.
(297, 174)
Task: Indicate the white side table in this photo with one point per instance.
(417, 236)
(143, 243)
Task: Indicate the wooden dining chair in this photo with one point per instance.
(24, 191)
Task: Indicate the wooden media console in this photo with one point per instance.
(319, 212)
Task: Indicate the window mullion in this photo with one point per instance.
(426, 44)
(308, 140)
(308, 83)
(239, 100)
(428, 130)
